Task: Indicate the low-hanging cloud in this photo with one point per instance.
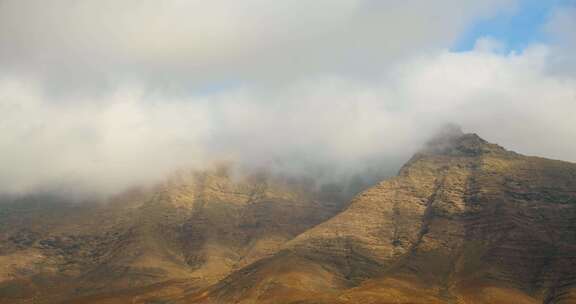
(137, 129)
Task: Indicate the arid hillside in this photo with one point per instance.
(188, 233)
(465, 221)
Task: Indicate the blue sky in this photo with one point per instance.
(517, 28)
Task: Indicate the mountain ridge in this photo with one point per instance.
(456, 216)
(464, 221)
(193, 230)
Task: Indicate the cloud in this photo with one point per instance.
(512, 99)
(284, 85)
(560, 29)
(99, 144)
(133, 135)
(197, 42)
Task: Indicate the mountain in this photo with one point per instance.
(464, 221)
(187, 233)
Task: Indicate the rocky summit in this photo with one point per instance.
(464, 221)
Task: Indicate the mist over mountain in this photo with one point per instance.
(98, 97)
(287, 152)
(463, 220)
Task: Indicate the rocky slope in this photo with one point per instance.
(465, 221)
(185, 234)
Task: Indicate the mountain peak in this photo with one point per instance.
(452, 141)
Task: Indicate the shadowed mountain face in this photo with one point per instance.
(188, 233)
(465, 221)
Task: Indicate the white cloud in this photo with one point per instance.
(561, 29)
(134, 135)
(367, 82)
(102, 144)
